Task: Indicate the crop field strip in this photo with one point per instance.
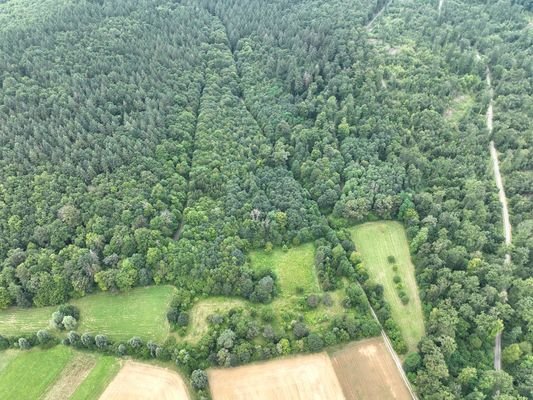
(367, 371)
(136, 381)
(38, 370)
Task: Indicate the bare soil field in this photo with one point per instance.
(297, 378)
(142, 381)
(366, 371)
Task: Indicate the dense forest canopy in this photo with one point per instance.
(149, 142)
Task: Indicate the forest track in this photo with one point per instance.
(505, 210)
(441, 2)
(369, 25)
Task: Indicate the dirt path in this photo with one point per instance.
(369, 25)
(505, 210)
(441, 2)
(71, 377)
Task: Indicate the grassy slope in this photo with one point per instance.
(29, 374)
(139, 312)
(93, 386)
(375, 241)
(294, 268)
(198, 325)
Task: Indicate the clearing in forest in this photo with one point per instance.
(377, 241)
(366, 371)
(295, 268)
(295, 378)
(198, 325)
(30, 374)
(142, 381)
(459, 108)
(138, 312)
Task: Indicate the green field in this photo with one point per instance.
(29, 374)
(139, 312)
(294, 268)
(102, 373)
(459, 108)
(376, 241)
(198, 325)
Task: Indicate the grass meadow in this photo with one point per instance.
(28, 375)
(376, 241)
(295, 268)
(138, 312)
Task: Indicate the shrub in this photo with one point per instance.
(69, 309)
(87, 340)
(57, 320)
(327, 300)
(314, 342)
(313, 301)
(135, 342)
(24, 344)
(43, 336)
(395, 268)
(69, 323)
(391, 259)
(199, 379)
(121, 349)
(300, 330)
(183, 319)
(101, 341)
(397, 279)
(74, 338)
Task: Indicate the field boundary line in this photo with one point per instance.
(394, 356)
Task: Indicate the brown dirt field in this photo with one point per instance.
(367, 371)
(72, 375)
(136, 381)
(297, 378)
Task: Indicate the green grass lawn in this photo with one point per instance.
(376, 241)
(29, 374)
(100, 376)
(139, 312)
(294, 268)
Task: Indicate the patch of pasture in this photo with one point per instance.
(376, 241)
(295, 268)
(31, 373)
(18, 321)
(138, 312)
(367, 371)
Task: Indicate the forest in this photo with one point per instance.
(155, 142)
